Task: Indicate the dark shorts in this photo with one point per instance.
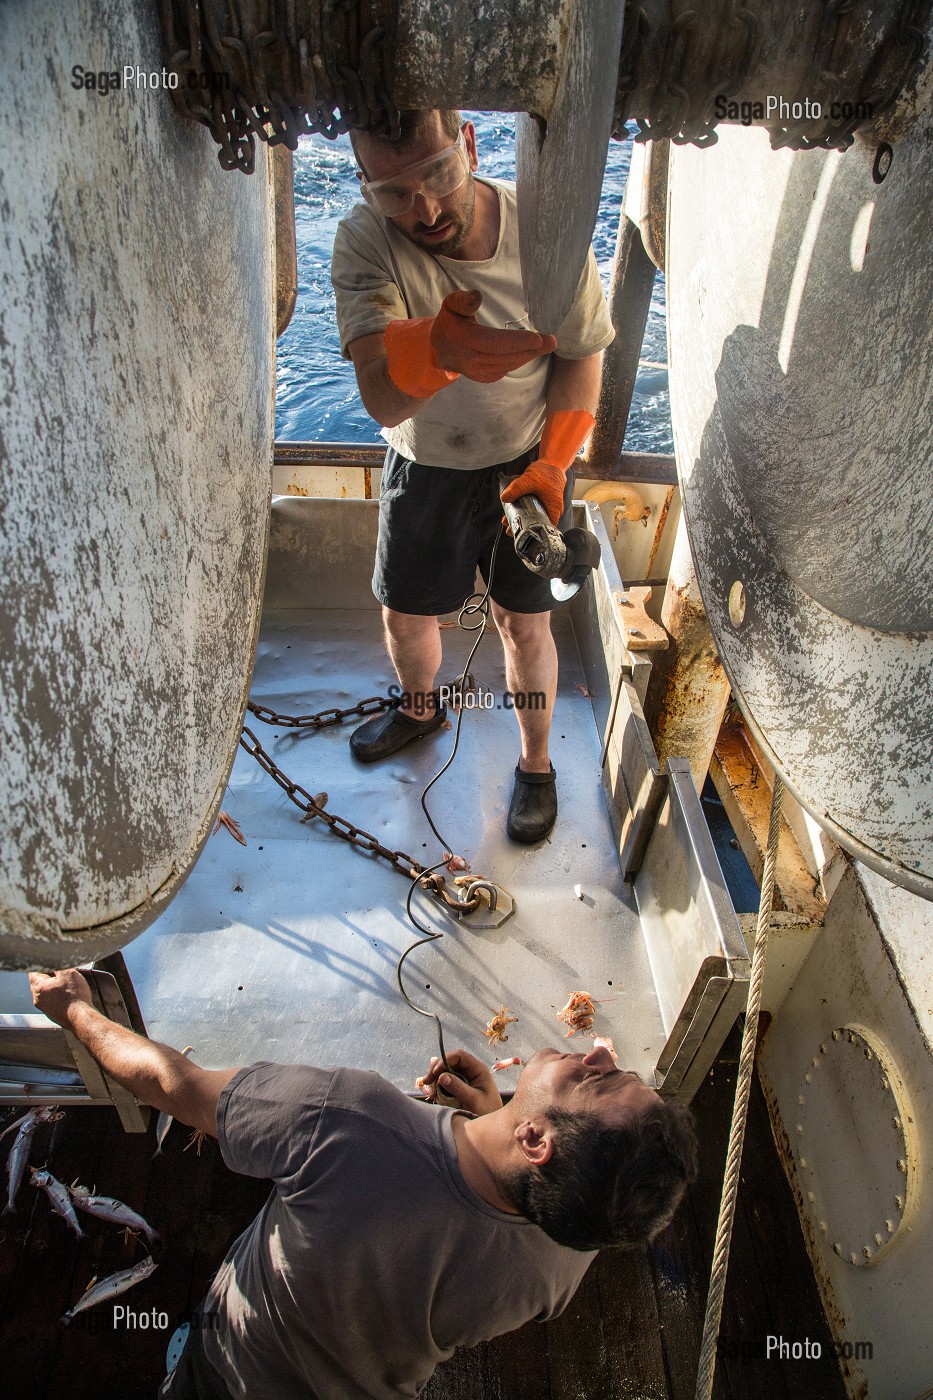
(437, 524)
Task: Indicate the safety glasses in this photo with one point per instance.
(436, 177)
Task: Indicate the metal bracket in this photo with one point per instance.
(114, 997)
(501, 905)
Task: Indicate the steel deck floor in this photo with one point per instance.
(286, 949)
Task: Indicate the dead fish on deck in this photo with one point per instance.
(58, 1195)
(108, 1208)
(111, 1287)
(165, 1120)
(19, 1152)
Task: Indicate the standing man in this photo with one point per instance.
(397, 1231)
(431, 311)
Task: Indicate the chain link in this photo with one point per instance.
(374, 705)
(278, 71)
(313, 807)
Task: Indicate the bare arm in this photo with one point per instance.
(155, 1074)
(381, 398)
(574, 384)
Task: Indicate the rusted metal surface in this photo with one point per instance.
(136, 429)
(642, 633)
(286, 249)
(801, 396)
(745, 791)
(688, 691)
(659, 530)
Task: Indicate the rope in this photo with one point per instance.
(717, 1283)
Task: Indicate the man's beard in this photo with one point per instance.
(462, 220)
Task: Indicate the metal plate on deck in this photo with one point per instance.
(286, 949)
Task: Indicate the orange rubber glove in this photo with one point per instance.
(425, 354)
(565, 432)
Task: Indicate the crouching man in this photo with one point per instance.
(398, 1230)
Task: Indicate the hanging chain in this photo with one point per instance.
(277, 71)
(313, 807)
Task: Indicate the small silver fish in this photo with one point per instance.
(19, 1152)
(58, 1195)
(107, 1208)
(19, 1122)
(111, 1287)
(165, 1120)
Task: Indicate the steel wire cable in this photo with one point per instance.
(717, 1283)
(469, 609)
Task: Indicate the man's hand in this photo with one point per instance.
(482, 353)
(472, 1085)
(156, 1074)
(427, 353)
(55, 994)
(565, 432)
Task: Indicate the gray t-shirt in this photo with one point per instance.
(372, 1259)
(379, 276)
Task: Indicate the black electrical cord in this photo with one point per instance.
(470, 609)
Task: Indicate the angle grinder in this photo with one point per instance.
(566, 558)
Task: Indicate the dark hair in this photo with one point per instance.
(610, 1187)
(413, 124)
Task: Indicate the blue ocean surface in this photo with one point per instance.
(316, 396)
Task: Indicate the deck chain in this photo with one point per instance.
(405, 864)
(374, 705)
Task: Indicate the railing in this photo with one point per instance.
(643, 468)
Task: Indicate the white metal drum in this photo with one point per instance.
(801, 351)
(136, 344)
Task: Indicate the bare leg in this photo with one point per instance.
(531, 671)
(414, 644)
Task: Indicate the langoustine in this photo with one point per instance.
(578, 1013)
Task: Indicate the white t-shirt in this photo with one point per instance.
(379, 276)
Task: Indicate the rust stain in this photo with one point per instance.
(293, 489)
(662, 521)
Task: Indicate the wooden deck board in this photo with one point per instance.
(631, 1333)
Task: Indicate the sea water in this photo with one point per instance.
(316, 396)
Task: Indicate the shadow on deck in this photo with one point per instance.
(631, 1333)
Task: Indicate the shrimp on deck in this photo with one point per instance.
(578, 1013)
(495, 1030)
